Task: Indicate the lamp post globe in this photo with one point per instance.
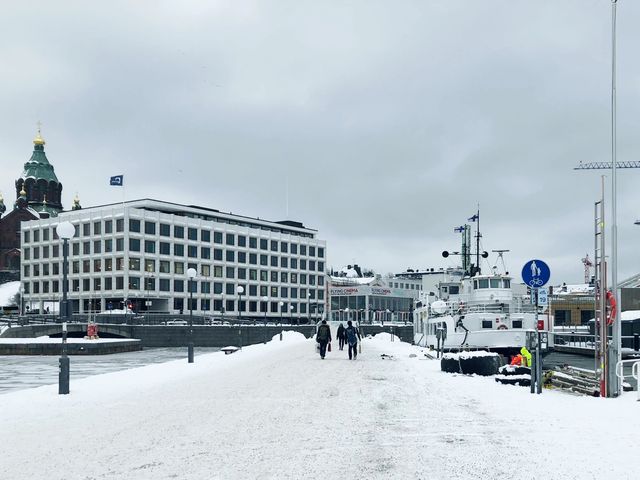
(65, 231)
(265, 299)
(240, 290)
(191, 273)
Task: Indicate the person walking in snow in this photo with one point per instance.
(341, 336)
(353, 335)
(323, 337)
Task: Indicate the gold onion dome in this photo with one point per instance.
(38, 140)
(23, 193)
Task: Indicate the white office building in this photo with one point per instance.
(137, 253)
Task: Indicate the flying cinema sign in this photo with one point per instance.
(352, 291)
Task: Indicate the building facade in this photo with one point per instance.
(136, 254)
(368, 300)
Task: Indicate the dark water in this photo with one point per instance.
(20, 372)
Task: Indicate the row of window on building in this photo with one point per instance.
(252, 306)
(405, 286)
(178, 250)
(194, 234)
(100, 265)
(149, 286)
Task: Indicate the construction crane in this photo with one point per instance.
(586, 261)
(605, 165)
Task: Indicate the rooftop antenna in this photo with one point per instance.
(501, 258)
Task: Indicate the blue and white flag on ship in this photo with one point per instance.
(474, 218)
(118, 181)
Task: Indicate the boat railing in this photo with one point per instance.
(464, 308)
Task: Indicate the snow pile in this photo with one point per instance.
(385, 337)
(467, 355)
(289, 336)
(7, 292)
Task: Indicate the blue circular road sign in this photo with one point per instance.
(536, 273)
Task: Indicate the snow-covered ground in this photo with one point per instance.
(279, 412)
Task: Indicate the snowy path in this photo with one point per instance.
(280, 412)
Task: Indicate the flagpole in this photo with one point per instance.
(478, 240)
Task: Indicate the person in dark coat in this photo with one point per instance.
(323, 337)
(353, 335)
(341, 336)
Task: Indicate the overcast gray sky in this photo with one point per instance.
(390, 120)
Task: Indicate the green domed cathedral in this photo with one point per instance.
(38, 195)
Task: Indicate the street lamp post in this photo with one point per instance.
(191, 273)
(309, 306)
(65, 231)
(265, 299)
(281, 304)
(291, 314)
(240, 290)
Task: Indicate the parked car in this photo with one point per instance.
(177, 322)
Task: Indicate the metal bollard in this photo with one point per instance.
(240, 336)
(190, 352)
(63, 376)
(636, 342)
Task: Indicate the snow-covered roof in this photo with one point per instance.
(630, 315)
(350, 272)
(354, 281)
(577, 289)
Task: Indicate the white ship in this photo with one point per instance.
(475, 311)
(480, 312)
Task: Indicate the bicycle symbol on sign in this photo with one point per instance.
(536, 282)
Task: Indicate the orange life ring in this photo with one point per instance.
(613, 307)
(502, 326)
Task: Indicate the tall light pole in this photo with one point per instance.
(191, 273)
(65, 231)
(616, 350)
(281, 304)
(291, 314)
(265, 299)
(309, 306)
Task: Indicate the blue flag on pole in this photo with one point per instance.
(474, 218)
(118, 181)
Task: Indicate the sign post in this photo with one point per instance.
(535, 275)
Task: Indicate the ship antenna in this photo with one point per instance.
(501, 258)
